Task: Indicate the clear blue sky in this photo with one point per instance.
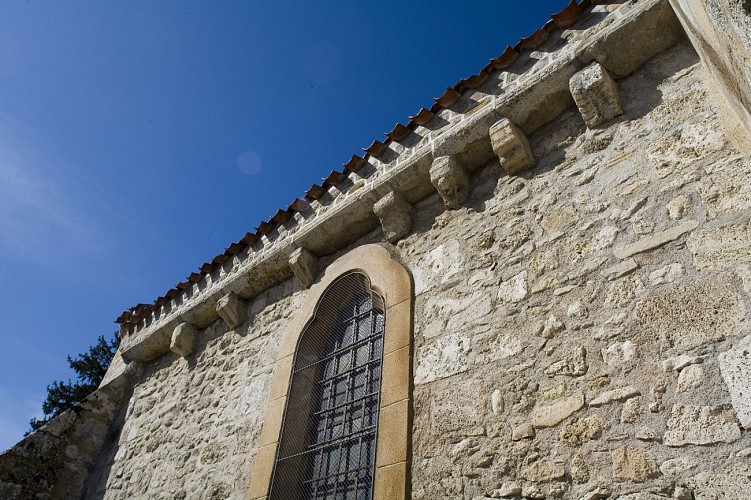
(125, 130)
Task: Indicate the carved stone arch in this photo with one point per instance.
(390, 281)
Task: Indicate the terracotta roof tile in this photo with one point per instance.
(264, 228)
(334, 178)
(449, 97)
(234, 249)
(536, 39)
(298, 206)
(248, 239)
(475, 81)
(376, 148)
(355, 164)
(568, 16)
(422, 117)
(399, 132)
(506, 59)
(220, 259)
(315, 192)
(280, 217)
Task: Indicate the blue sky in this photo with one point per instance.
(138, 139)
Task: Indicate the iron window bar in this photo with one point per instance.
(330, 453)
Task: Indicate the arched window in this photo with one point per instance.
(328, 444)
(338, 416)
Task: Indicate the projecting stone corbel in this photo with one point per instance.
(396, 216)
(304, 266)
(596, 95)
(511, 146)
(183, 339)
(450, 179)
(231, 309)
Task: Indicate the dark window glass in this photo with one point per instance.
(327, 448)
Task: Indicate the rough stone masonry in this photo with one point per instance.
(578, 233)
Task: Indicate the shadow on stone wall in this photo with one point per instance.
(55, 461)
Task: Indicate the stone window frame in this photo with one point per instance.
(392, 281)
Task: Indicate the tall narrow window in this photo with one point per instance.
(328, 441)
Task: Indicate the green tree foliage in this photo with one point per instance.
(90, 368)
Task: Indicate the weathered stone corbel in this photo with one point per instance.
(304, 265)
(596, 95)
(183, 339)
(395, 214)
(511, 146)
(231, 309)
(450, 180)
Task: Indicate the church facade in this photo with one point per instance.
(538, 288)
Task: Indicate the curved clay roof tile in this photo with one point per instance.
(536, 39)
(448, 98)
(422, 117)
(298, 206)
(355, 163)
(315, 192)
(475, 81)
(506, 59)
(280, 217)
(568, 16)
(375, 149)
(264, 227)
(399, 132)
(249, 238)
(334, 178)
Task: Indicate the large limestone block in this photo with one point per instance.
(656, 240)
(573, 364)
(550, 415)
(512, 146)
(515, 289)
(450, 180)
(582, 430)
(731, 482)
(633, 464)
(459, 407)
(700, 425)
(735, 366)
(720, 248)
(543, 471)
(596, 95)
(693, 314)
(442, 357)
(621, 394)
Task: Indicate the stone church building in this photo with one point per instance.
(538, 288)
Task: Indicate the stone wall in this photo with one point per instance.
(191, 427)
(582, 330)
(55, 461)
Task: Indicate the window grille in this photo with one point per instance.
(327, 447)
